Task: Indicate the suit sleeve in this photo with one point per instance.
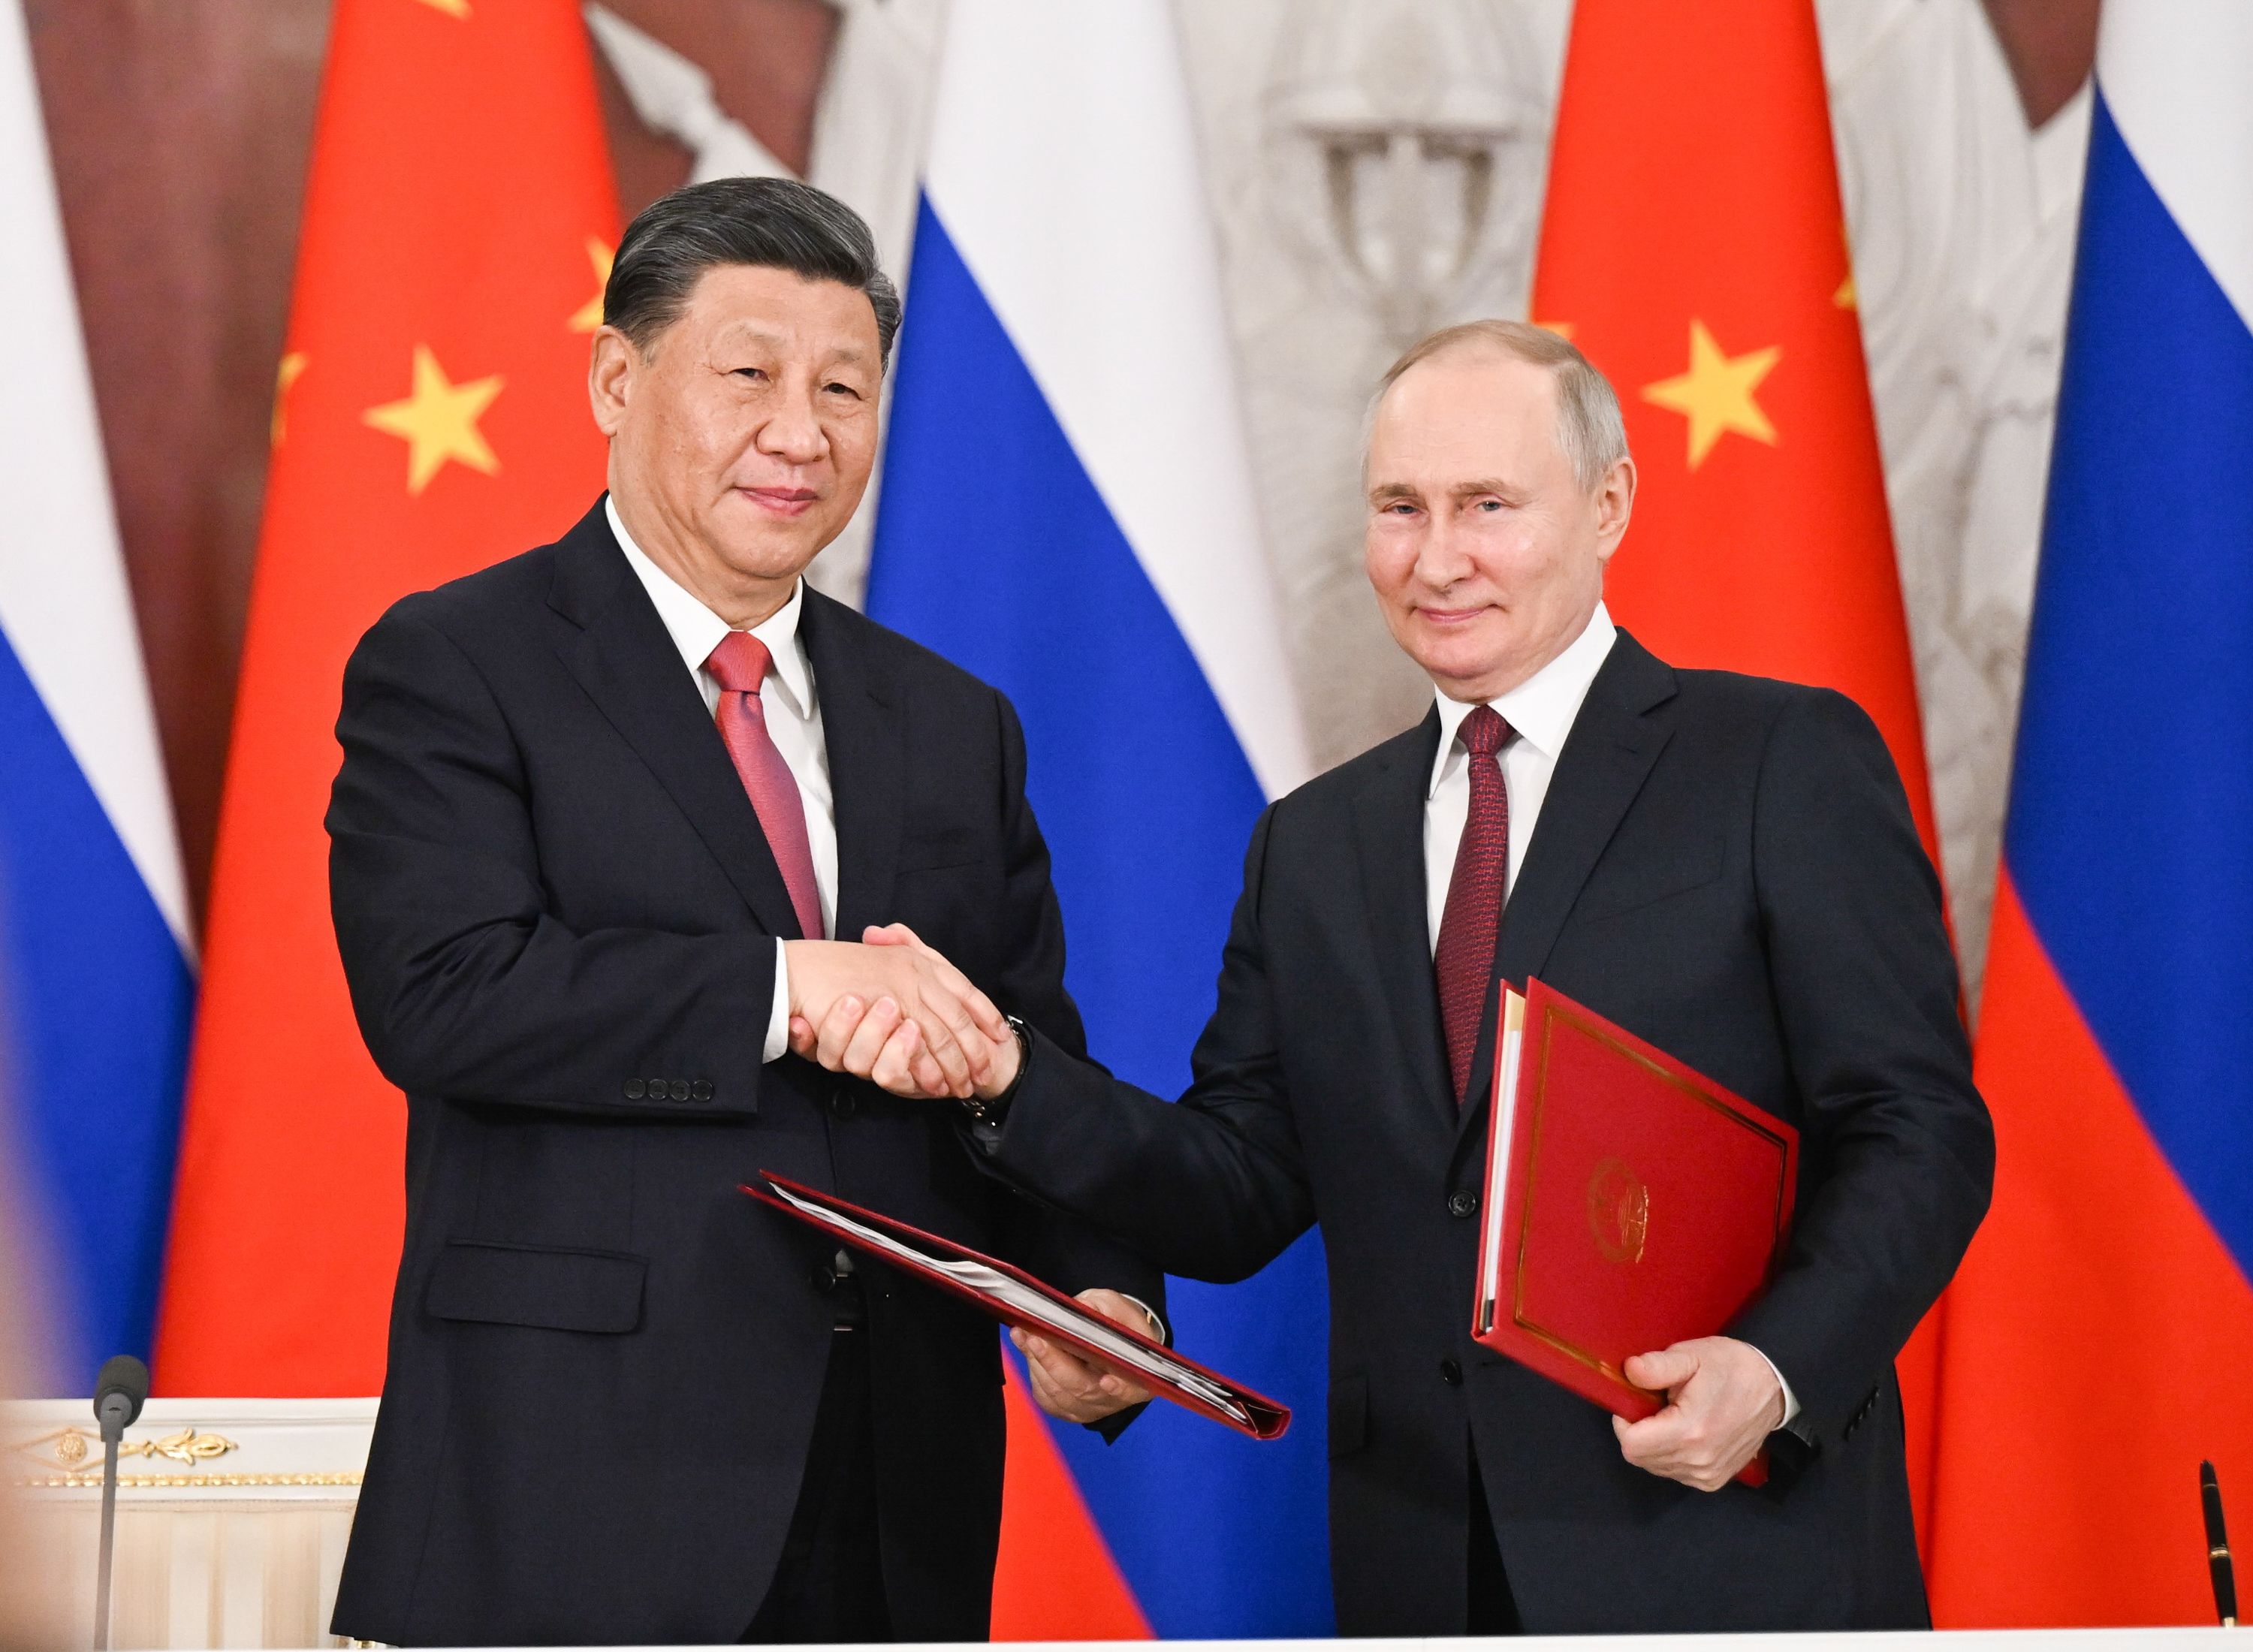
(464, 985)
(1068, 1253)
(1212, 1187)
(1900, 1151)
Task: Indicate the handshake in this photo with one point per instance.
(889, 1009)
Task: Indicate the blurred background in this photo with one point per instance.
(180, 137)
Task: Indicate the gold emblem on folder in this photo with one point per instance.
(1619, 1211)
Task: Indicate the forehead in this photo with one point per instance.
(794, 311)
(1474, 410)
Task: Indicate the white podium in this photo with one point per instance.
(232, 1515)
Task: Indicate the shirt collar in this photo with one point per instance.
(696, 631)
(1541, 709)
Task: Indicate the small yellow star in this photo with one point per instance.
(1562, 329)
(286, 374)
(1716, 395)
(439, 422)
(589, 315)
(451, 8)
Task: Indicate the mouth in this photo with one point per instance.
(1449, 617)
(785, 502)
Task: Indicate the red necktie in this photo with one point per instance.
(1464, 960)
(739, 664)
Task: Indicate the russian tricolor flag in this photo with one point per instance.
(2099, 1340)
(95, 985)
(1067, 512)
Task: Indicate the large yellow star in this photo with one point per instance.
(1716, 395)
(451, 8)
(439, 422)
(589, 315)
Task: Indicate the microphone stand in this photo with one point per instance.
(119, 1393)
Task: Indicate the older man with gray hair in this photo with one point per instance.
(1723, 865)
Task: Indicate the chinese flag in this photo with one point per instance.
(1694, 247)
(431, 417)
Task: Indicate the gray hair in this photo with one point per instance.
(1590, 430)
(774, 223)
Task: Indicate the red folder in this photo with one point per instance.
(1016, 1298)
(1631, 1203)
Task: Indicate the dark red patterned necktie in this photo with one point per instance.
(739, 664)
(1464, 961)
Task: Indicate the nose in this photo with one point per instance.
(792, 432)
(1441, 558)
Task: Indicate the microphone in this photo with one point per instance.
(2217, 1548)
(119, 1393)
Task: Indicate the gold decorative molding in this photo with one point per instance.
(67, 1448)
(74, 1482)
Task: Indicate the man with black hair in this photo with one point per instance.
(603, 809)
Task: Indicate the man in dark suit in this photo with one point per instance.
(600, 807)
(1723, 865)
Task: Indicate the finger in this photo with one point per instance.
(1066, 1370)
(977, 1048)
(930, 1077)
(870, 1037)
(888, 935)
(898, 1066)
(946, 1049)
(803, 1038)
(1662, 1371)
(837, 1028)
(987, 1019)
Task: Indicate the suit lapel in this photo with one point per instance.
(867, 762)
(1622, 727)
(1389, 834)
(624, 658)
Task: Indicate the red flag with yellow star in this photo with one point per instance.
(431, 417)
(1693, 246)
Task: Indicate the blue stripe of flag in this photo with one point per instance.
(1148, 802)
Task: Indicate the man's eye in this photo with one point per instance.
(843, 390)
(1487, 504)
(750, 373)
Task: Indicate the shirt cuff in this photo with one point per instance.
(1158, 1332)
(1791, 1400)
(778, 1017)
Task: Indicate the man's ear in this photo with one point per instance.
(1614, 504)
(612, 364)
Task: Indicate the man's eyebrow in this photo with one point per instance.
(1486, 484)
(1384, 493)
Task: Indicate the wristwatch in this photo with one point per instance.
(983, 1112)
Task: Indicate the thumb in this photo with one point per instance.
(1662, 1371)
(888, 935)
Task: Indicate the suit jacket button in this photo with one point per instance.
(843, 1103)
(823, 1277)
(1451, 1373)
(636, 1090)
(678, 1089)
(1461, 1202)
(701, 1090)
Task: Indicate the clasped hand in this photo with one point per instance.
(894, 1011)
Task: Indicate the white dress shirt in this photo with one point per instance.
(793, 718)
(1541, 710)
